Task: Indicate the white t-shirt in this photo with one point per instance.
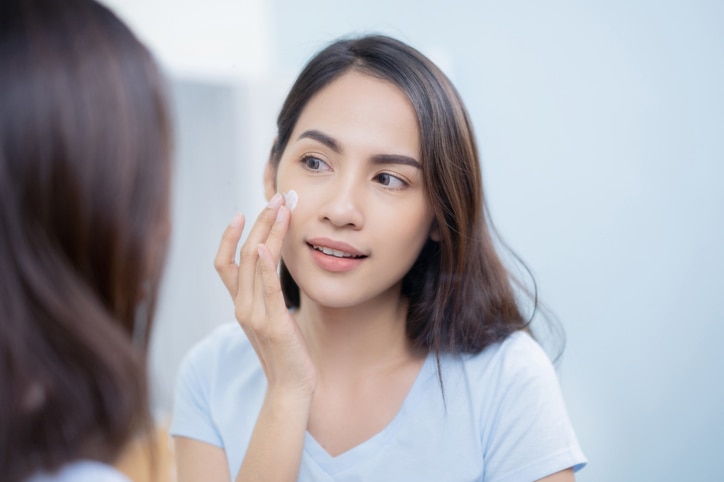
(503, 418)
(82, 471)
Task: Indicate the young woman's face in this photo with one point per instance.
(362, 216)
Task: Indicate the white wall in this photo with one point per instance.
(601, 125)
(215, 39)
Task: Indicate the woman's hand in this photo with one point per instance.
(275, 449)
(259, 303)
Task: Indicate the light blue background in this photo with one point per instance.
(601, 128)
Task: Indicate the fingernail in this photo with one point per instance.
(291, 199)
(236, 220)
(275, 201)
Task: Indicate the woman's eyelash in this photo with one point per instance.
(391, 181)
(312, 162)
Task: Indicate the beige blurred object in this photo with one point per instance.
(137, 464)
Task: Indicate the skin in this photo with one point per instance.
(341, 365)
(350, 193)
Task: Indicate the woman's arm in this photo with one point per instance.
(198, 461)
(275, 449)
(562, 476)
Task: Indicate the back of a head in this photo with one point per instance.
(84, 201)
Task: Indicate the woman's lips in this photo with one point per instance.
(335, 256)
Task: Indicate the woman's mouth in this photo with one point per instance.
(335, 256)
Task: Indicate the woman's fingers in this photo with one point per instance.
(273, 246)
(249, 255)
(246, 283)
(225, 261)
(277, 233)
(259, 301)
(274, 306)
(289, 365)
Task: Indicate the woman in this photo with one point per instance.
(392, 348)
(84, 222)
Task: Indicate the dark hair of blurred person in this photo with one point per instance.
(85, 154)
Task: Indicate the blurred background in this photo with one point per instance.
(601, 129)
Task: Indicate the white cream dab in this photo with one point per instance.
(291, 198)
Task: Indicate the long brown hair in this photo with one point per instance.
(85, 154)
(461, 295)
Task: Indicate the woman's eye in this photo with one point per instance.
(388, 180)
(314, 163)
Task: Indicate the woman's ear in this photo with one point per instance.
(270, 180)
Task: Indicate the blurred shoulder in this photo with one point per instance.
(82, 470)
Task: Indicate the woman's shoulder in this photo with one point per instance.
(227, 335)
(517, 357)
(224, 334)
(519, 344)
(515, 389)
(224, 344)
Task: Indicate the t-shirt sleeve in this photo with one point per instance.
(529, 434)
(191, 411)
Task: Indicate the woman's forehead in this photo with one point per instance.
(357, 109)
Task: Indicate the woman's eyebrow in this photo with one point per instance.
(396, 159)
(321, 137)
(376, 159)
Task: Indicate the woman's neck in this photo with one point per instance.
(357, 340)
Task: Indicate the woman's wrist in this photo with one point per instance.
(289, 400)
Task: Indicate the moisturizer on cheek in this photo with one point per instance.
(291, 199)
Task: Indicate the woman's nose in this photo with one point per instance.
(344, 205)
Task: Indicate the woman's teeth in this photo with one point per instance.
(335, 253)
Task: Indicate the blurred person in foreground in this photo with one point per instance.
(85, 160)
